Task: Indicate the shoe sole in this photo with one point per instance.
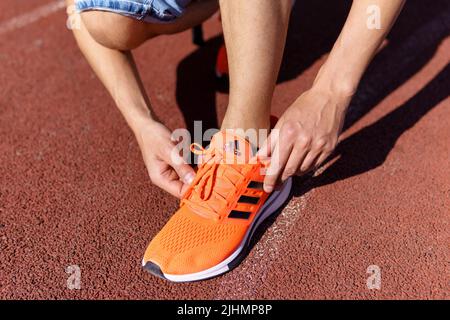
(273, 203)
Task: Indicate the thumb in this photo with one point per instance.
(184, 171)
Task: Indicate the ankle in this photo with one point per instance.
(245, 125)
(251, 129)
(242, 120)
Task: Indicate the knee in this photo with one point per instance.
(114, 31)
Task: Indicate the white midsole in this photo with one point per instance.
(276, 199)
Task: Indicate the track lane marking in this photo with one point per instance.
(31, 17)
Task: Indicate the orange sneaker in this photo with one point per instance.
(222, 63)
(218, 215)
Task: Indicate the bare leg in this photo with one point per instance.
(116, 31)
(255, 32)
(106, 40)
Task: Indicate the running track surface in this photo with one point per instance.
(74, 190)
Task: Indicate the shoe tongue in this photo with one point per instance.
(236, 149)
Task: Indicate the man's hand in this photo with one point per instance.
(166, 168)
(307, 134)
(309, 129)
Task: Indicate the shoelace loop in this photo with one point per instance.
(207, 175)
(204, 182)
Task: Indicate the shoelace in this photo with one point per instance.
(205, 179)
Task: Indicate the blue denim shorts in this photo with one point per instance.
(157, 11)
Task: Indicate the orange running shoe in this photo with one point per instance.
(222, 63)
(218, 215)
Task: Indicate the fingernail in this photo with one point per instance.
(188, 178)
(268, 189)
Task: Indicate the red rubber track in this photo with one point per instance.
(74, 190)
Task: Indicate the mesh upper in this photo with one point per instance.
(182, 234)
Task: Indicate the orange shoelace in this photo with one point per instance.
(205, 180)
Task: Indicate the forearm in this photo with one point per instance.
(118, 73)
(356, 46)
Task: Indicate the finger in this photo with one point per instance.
(174, 187)
(296, 158)
(265, 151)
(307, 163)
(321, 159)
(184, 171)
(167, 179)
(278, 161)
(184, 188)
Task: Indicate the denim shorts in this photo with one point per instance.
(157, 11)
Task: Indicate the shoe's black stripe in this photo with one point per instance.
(233, 264)
(239, 214)
(248, 199)
(256, 185)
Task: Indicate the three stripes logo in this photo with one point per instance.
(237, 214)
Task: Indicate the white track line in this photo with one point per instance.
(31, 17)
(253, 271)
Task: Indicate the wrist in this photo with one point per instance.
(341, 72)
(335, 82)
(330, 96)
(135, 109)
(140, 123)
